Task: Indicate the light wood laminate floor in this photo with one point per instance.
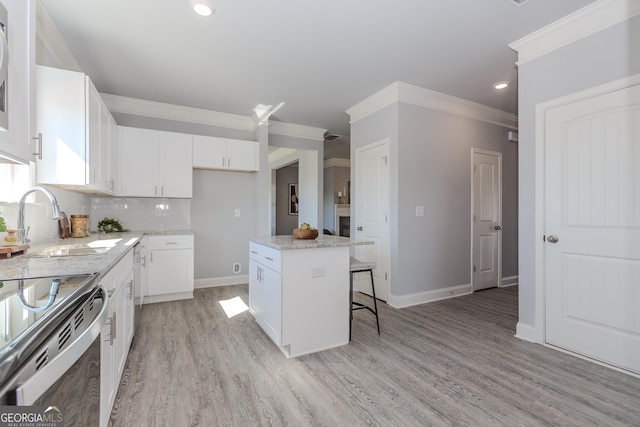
(447, 363)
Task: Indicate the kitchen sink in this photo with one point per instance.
(70, 250)
(93, 248)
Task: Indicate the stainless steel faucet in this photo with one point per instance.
(55, 210)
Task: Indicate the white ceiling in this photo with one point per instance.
(318, 57)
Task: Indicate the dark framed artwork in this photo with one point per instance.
(293, 199)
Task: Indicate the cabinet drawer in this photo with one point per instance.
(267, 256)
(169, 242)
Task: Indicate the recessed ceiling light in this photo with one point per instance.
(500, 85)
(202, 7)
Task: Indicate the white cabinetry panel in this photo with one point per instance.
(75, 125)
(155, 163)
(16, 140)
(211, 152)
(169, 268)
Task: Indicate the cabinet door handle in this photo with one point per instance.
(254, 252)
(38, 146)
(130, 289)
(171, 243)
(114, 329)
(162, 190)
(111, 291)
(223, 162)
(143, 260)
(268, 258)
(155, 190)
(229, 162)
(151, 257)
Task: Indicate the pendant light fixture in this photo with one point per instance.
(202, 7)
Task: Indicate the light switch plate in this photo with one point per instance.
(237, 213)
(419, 210)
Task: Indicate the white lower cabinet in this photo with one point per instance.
(300, 297)
(117, 332)
(168, 268)
(265, 291)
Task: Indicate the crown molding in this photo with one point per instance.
(160, 110)
(582, 23)
(334, 161)
(52, 40)
(415, 95)
(296, 131)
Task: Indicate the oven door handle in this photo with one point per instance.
(28, 392)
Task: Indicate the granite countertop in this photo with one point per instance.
(30, 265)
(287, 242)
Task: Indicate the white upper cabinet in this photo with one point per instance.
(211, 152)
(19, 100)
(155, 163)
(76, 128)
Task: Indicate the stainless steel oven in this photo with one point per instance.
(52, 357)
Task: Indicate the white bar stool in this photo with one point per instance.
(357, 266)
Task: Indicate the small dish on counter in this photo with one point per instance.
(304, 234)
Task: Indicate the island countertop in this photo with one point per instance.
(287, 242)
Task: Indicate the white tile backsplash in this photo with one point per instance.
(142, 214)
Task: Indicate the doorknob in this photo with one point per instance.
(552, 239)
(497, 227)
(359, 228)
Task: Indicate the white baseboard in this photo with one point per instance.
(211, 282)
(509, 281)
(429, 296)
(150, 299)
(526, 332)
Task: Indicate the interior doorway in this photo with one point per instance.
(286, 181)
(486, 219)
(372, 206)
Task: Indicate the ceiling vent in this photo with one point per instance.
(330, 136)
(518, 2)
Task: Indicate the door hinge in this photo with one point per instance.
(544, 238)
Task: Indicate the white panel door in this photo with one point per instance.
(486, 219)
(372, 215)
(592, 227)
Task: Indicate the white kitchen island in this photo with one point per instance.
(299, 291)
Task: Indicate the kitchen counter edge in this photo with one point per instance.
(287, 242)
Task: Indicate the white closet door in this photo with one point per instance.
(592, 227)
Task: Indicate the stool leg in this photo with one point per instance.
(350, 303)
(375, 303)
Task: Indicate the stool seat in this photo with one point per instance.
(355, 265)
(358, 266)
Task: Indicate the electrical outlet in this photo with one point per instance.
(236, 267)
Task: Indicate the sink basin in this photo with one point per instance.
(71, 250)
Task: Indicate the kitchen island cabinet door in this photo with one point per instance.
(272, 317)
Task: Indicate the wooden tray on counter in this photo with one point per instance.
(9, 251)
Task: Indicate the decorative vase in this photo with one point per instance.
(11, 239)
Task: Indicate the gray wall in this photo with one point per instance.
(285, 176)
(221, 238)
(431, 166)
(603, 57)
